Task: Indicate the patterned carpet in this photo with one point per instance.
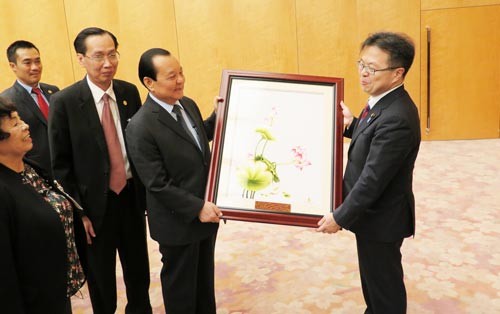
(451, 266)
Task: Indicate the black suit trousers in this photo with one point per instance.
(381, 274)
(123, 230)
(187, 277)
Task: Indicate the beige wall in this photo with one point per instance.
(448, 4)
(292, 36)
(46, 28)
(318, 37)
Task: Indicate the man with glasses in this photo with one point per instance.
(379, 206)
(90, 159)
(31, 97)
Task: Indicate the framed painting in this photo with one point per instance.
(277, 148)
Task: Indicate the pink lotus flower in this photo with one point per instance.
(300, 157)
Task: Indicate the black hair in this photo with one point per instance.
(18, 44)
(79, 43)
(146, 66)
(6, 110)
(399, 46)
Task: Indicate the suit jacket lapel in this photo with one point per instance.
(165, 118)
(30, 103)
(376, 111)
(198, 125)
(47, 91)
(87, 105)
(122, 105)
(373, 114)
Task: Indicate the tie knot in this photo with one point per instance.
(364, 113)
(37, 91)
(177, 111)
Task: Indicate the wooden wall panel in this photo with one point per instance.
(320, 37)
(330, 33)
(328, 42)
(448, 4)
(398, 16)
(253, 35)
(44, 24)
(82, 14)
(465, 93)
(143, 25)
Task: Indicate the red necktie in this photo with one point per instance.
(44, 107)
(364, 113)
(117, 177)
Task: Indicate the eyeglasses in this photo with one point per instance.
(370, 70)
(99, 58)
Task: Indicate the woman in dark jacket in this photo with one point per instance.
(40, 233)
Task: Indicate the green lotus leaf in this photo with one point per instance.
(255, 176)
(265, 133)
(271, 167)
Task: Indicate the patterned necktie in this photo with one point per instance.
(182, 122)
(44, 107)
(117, 177)
(364, 113)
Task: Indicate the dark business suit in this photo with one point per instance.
(34, 262)
(80, 162)
(174, 171)
(29, 111)
(379, 206)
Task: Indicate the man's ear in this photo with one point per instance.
(149, 83)
(13, 66)
(80, 58)
(400, 71)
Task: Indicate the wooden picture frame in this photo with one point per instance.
(277, 149)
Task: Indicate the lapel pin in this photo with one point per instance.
(125, 103)
(49, 91)
(369, 118)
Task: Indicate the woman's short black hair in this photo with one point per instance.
(6, 110)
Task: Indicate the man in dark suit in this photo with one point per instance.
(379, 206)
(168, 143)
(90, 159)
(31, 97)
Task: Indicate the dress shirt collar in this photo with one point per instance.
(97, 92)
(28, 88)
(165, 105)
(372, 101)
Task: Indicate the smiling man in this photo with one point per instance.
(168, 143)
(31, 97)
(379, 206)
(90, 159)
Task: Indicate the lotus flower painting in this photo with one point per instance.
(270, 155)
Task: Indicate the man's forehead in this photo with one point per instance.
(104, 41)
(27, 53)
(99, 48)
